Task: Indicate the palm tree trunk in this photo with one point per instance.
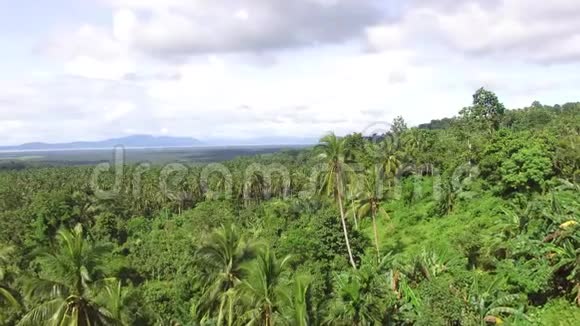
(268, 316)
(354, 215)
(374, 216)
(342, 219)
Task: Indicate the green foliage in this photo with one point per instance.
(264, 289)
(360, 297)
(444, 302)
(486, 111)
(6, 293)
(477, 215)
(333, 152)
(527, 168)
(557, 312)
(518, 162)
(68, 284)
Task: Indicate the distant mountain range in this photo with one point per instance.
(148, 141)
(129, 141)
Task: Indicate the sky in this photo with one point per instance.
(97, 69)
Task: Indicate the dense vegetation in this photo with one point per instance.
(470, 220)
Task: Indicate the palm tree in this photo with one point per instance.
(263, 288)
(412, 144)
(116, 298)
(5, 293)
(298, 301)
(360, 298)
(387, 155)
(218, 184)
(70, 281)
(253, 187)
(369, 199)
(333, 152)
(223, 253)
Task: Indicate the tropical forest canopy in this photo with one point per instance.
(470, 220)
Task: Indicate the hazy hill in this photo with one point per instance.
(129, 141)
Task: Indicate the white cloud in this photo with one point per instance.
(181, 28)
(119, 110)
(124, 24)
(383, 37)
(88, 67)
(242, 14)
(272, 67)
(87, 39)
(520, 30)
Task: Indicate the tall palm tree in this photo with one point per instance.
(70, 280)
(224, 254)
(333, 151)
(5, 292)
(263, 288)
(369, 199)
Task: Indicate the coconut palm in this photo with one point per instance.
(369, 199)
(254, 184)
(117, 298)
(386, 153)
(360, 298)
(5, 292)
(217, 185)
(412, 142)
(298, 301)
(223, 254)
(298, 179)
(333, 151)
(70, 280)
(263, 288)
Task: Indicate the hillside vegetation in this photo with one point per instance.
(470, 220)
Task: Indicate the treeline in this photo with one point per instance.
(469, 220)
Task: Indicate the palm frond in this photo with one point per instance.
(44, 313)
(6, 295)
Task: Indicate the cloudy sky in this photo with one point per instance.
(94, 69)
